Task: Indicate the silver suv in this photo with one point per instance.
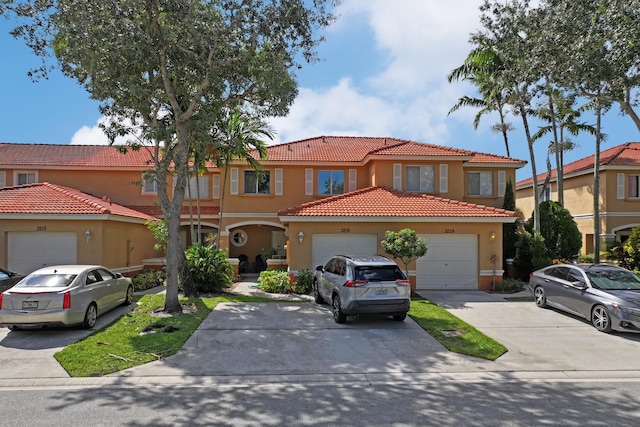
(355, 285)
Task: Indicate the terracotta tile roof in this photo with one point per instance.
(623, 155)
(157, 212)
(45, 198)
(493, 159)
(384, 202)
(70, 156)
(358, 149)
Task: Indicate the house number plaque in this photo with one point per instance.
(345, 230)
(41, 228)
(449, 231)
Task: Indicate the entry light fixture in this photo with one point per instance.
(492, 236)
(87, 235)
(300, 236)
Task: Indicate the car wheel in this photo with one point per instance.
(600, 318)
(128, 299)
(90, 316)
(338, 315)
(400, 317)
(317, 297)
(13, 328)
(540, 297)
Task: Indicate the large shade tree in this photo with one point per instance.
(157, 65)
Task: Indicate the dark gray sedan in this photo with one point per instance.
(607, 296)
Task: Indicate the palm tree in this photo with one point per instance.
(479, 68)
(562, 118)
(237, 135)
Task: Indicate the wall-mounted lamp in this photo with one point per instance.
(300, 236)
(87, 235)
(492, 236)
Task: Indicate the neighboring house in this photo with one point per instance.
(619, 193)
(312, 199)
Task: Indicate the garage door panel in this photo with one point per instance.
(327, 245)
(451, 262)
(29, 251)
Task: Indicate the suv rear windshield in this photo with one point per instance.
(379, 273)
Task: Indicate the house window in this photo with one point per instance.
(198, 188)
(239, 238)
(421, 178)
(634, 186)
(3, 179)
(149, 185)
(480, 183)
(23, 178)
(257, 182)
(330, 182)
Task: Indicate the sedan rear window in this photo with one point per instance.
(379, 274)
(46, 281)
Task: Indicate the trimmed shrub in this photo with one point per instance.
(274, 281)
(302, 282)
(509, 285)
(148, 279)
(209, 267)
(539, 252)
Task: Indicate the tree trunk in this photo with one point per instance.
(536, 196)
(596, 191)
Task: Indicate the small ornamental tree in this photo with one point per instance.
(404, 245)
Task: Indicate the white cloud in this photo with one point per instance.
(95, 135)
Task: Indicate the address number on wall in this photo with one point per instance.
(345, 230)
(449, 231)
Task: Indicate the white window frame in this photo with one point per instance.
(426, 186)
(233, 184)
(203, 182)
(279, 184)
(257, 186)
(620, 186)
(308, 182)
(397, 176)
(149, 182)
(16, 177)
(353, 179)
(331, 177)
(216, 186)
(502, 183)
(444, 178)
(480, 187)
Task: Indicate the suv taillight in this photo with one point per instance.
(354, 283)
(403, 282)
(66, 300)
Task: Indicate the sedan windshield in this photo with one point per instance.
(613, 280)
(46, 281)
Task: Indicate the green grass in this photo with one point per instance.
(453, 333)
(123, 344)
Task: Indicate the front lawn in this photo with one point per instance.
(145, 334)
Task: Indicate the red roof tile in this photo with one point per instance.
(384, 202)
(157, 212)
(45, 198)
(627, 154)
(358, 149)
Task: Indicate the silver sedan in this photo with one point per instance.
(64, 295)
(607, 296)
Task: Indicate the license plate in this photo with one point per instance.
(382, 291)
(29, 304)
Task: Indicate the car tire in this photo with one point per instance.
(317, 297)
(338, 315)
(13, 328)
(128, 299)
(400, 317)
(540, 297)
(90, 316)
(600, 318)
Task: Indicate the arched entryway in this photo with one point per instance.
(254, 243)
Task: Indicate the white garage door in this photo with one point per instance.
(30, 251)
(451, 262)
(327, 245)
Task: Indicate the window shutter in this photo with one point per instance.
(352, 179)
(397, 176)
(308, 182)
(216, 186)
(620, 185)
(444, 178)
(279, 175)
(502, 183)
(234, 181)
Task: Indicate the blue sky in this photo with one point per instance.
(382, 72)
